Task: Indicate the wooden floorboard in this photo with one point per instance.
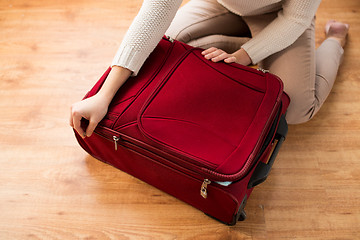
(52, 52)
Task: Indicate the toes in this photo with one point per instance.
(337, 29)
(328, 24)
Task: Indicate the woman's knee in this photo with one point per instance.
(300, 114)
(178, 32)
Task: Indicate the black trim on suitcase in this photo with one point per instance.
(263, 169)
(241, 214)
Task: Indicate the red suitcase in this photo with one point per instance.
(204, 132)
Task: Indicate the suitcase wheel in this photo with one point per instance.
(242, 215)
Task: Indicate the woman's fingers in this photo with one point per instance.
(76, 123)
(217, 55)
(213, 54)
(230, 59)
(222, 56)
(71, 118)
(91, 127)
(209, 50)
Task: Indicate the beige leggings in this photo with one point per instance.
(308, 74)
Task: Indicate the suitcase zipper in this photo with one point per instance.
(170, 39)
(262, 70)
(203, 190)
(116, 139)
(204, 185)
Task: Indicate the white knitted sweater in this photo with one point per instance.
(155, 17)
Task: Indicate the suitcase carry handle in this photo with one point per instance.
(263, 169)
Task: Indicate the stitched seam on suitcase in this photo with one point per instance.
(247, 131)
(162, 154)
(193, 159)
(252, 155)
(248, 85)
(182, 120)
(147, 82)
(225, 176)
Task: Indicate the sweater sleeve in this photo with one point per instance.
(145, 33)
(294, 18)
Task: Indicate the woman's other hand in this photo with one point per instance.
(217, 55)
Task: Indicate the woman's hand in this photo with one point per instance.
(216, 55)
(92, 109)
(95, 108)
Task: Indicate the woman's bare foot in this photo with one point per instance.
(337, 30)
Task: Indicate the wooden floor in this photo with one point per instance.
(52, 52)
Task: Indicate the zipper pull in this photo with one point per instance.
(262, 70)
(203, 190)
(116, 139)
(170, 39)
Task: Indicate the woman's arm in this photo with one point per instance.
(145, 32)
(294, 18)
(140, 40)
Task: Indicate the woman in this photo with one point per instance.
(278, 35)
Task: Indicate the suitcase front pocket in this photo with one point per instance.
(199, 112)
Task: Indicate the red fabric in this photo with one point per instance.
(220, 203)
